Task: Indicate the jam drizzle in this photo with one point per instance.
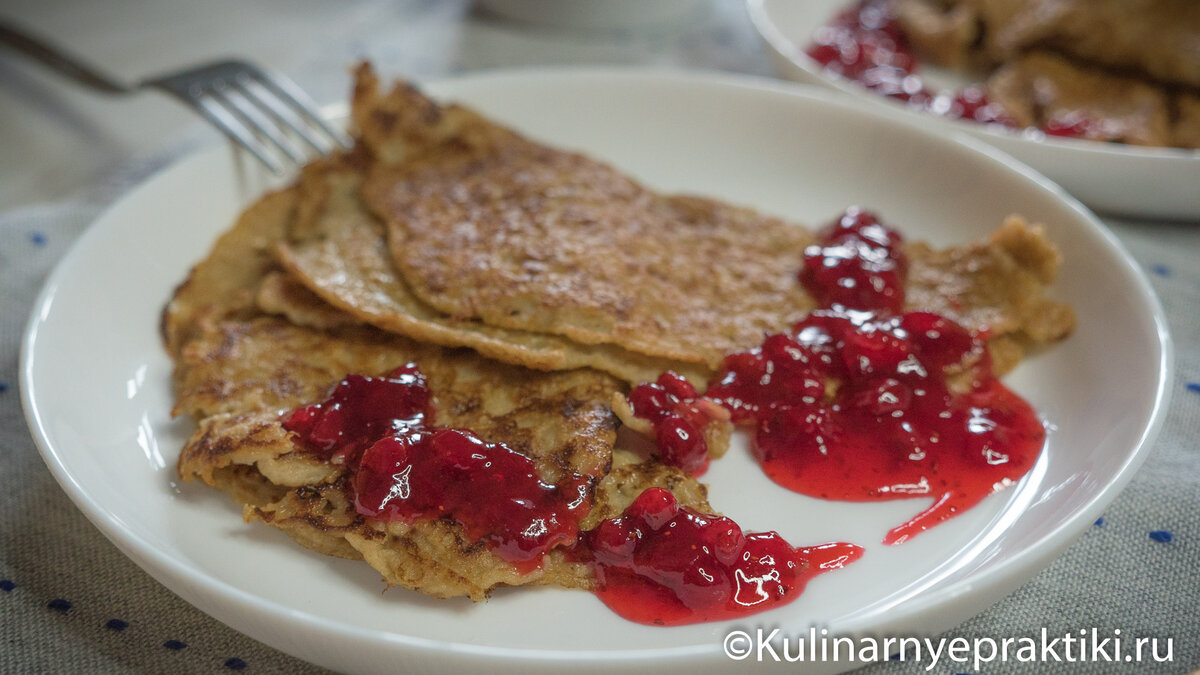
(664, 564)
(866, 44)
(493, 491)
(405, 470)
(862, 403)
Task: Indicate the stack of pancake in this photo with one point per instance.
(1126, 71)
(530, 285)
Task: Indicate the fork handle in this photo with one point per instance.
(57, 59)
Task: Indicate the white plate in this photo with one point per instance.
(97, 388)
(1119, 179)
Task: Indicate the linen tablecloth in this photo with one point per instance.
(71, 603)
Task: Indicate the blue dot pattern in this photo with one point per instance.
(1161, 536)
(174, 645)
(1100, 522)
(235, 664)
(3, 386)
(116, 624)
(1161, 270)
(59, 605)
(6, 585)
(37, 238)
(1193, 387)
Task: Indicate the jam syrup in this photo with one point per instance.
(403, 469)
(862, 402)
(664, 564)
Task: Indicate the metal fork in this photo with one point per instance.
(255, 108)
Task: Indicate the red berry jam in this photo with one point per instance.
(679, 416)
(865, 44)
(857, 264)
(1072, 126)
(663, 564)
(360, 411)
(403, 469)
(860, 402)
(493, 491)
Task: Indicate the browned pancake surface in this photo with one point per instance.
(337, 249)
(484, 224)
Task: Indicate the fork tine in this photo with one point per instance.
(286, 115)
(246, 106)
(299, 101)
(227, 122)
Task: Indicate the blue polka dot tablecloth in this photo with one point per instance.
(71, 603)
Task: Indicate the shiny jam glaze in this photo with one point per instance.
(663, 564)
(866, 44)
(861, 403)
(858, 263)
(679, 417)
(403, 469)
(360, 411)
(493, 491)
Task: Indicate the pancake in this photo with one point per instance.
(226, 281)
(1123, 71)
(484, 224)
(250, 458)
(509, 233)
(1041, 89)
(996, 288)
(336, 248)
(560, 420)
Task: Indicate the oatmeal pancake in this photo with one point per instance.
(495, 227)
(513, 234)
(226, 281)
(560, 420)
(336, 248)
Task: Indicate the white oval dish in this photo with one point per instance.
(96, 386)
(1109, 177)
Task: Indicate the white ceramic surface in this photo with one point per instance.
(96, 385)
(1113, 178)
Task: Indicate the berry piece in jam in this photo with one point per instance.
(492, 490)
(360, 411)
(781, 372)
(680, 418)
(664, 564)
(858, 264)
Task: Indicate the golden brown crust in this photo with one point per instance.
(526, 237)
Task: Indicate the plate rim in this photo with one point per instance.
(1003, 576)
